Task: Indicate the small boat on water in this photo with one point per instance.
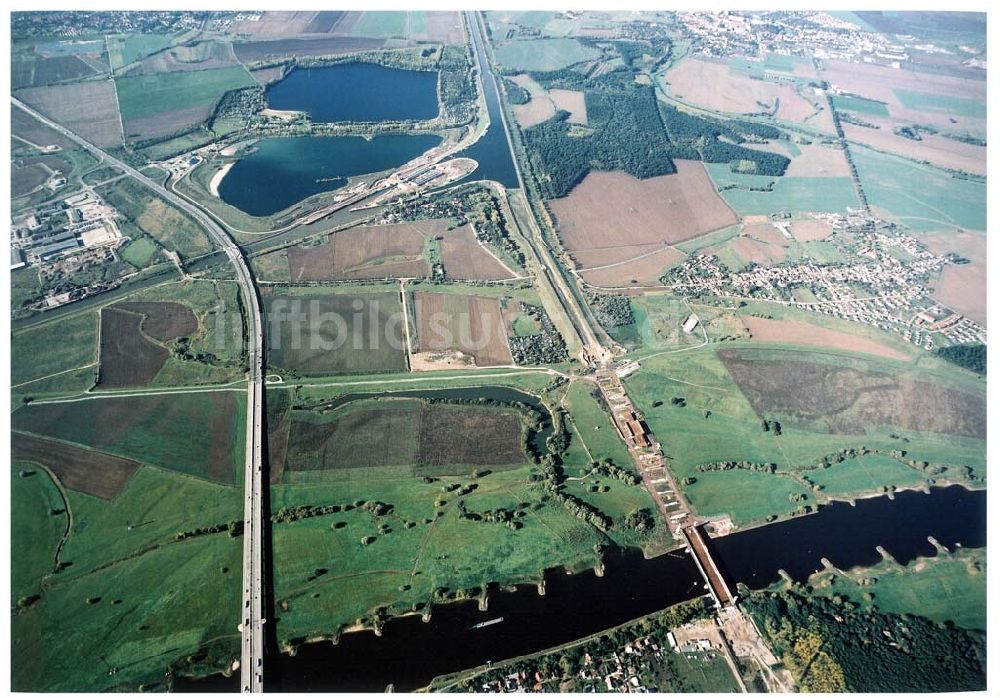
(486, 623)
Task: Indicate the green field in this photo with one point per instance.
(733, 432)
(98, 612)
(864, 473)
(956, 106)
(543, 54)
(386, 24)
(53, 347)
(128, 48)
(200, 433)
(594, 437)
(919, 196)
(942, 588)
(860, 105)
(153, 216)
(142, 96)
(139, 253)
(791, 194)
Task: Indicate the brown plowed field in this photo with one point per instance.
(611, 210)
(365, 252)
(962, 287)
(464, 258)
(495, 438)
(469, 324)
(80, 469)
(765, 232)
(572, 101)
(810, 230)
(792, 332)
(163, 320)
(715, 86)
(166, 123)
(750, 250)
(128, 358)
(850, 398)
(645, 270)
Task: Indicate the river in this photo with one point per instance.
(410, 652)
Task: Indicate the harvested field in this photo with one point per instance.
(544, 104)
(714, 85)
(750, 250)
(464, 258)
(88, 108)
(938, 150)
(765, 232)
(25, 126)
(644, 269)
(79, 469)
(572, 101)
(848, 398)
(404, 432)
(335, 333)
(128, 359)
(792, 332)
(885, 84)
(164, 320)
(365, 252)
(306, 46)
(810, 230)
(448, 322)
(205, 55)
(200, 434)
(611, 210)
(274, 23)
(962, 287)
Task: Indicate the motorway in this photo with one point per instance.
(252, 617)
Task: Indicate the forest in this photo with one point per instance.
(970, 356)
(629, 130)
(832, 644)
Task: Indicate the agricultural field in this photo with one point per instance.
(351, 332)
(364, 252)
(720, 87)
(920, 197)
(199, 433)
(936, 149)
(125, 49)
(544, 103)
(250, 52)
(536, 55)
(464, 258)
(134, 337)
(762, 195)
(947, 587)
(864, 474)
(850, 398)
(400, 435)
(768, 331)
(201, 56)
(449, 324)
(101, 475)
(163, 104)
(963, 286)
(686, 207)
(88, 108)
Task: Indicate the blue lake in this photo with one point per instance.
(357, 92)
(281, 172)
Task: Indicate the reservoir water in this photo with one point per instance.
(357, 92)
(410, 652)
(281, 172)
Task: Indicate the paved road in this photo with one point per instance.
(252, 620)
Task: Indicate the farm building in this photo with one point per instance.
(690, 323)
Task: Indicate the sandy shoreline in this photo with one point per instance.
(213, 186)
